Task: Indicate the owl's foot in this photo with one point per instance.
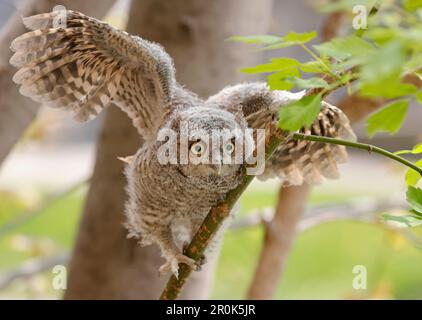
(202, 259)
(172, 264)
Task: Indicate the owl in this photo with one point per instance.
(86, 64)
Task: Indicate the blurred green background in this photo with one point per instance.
(319, 267)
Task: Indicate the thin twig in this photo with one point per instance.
(32, 267)
(24, 217)
(358, 145)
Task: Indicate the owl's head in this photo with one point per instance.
(211, 142)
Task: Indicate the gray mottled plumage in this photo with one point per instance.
(88, 64)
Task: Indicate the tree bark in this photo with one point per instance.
(17, 111)
(106, 265)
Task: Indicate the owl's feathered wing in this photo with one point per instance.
(299, 161)
(87, 64)
(294, 161)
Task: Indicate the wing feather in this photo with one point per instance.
(88, 64)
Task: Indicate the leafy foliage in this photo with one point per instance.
(377, 58)
(374, 62)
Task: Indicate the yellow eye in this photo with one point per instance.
(229, 147)
(198, 148)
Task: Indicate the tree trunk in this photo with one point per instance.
(279, 236)
(105, 264)
(17, 111)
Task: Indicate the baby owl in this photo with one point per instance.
(86, 64)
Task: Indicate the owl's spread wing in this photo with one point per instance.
(299, 161)
(295, 162)
(87, 63)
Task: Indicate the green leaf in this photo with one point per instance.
(315, 66)
(388, 119)
(300, 113)
(277, 81)
(385, 64)
(412, 176)
(381, 35)
(401, 219)
(276, 64)
(300, 37)
(345, 48)
(257, 39)
(389, 88)
(292, 39)
(417, 149)
(416, 214)
(414, 63)
(309, 83)
(414, 198)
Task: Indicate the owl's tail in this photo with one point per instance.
(300, 161)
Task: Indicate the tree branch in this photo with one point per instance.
(210, 226)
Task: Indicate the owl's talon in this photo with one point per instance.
(202, 260)
(173, 265)
(185, 246)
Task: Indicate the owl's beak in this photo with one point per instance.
(219, 169)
